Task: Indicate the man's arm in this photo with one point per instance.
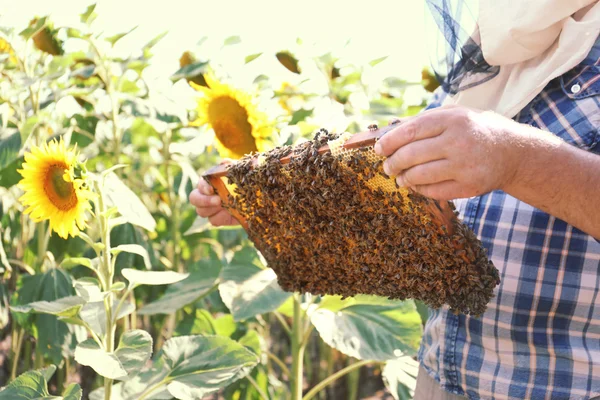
(454, 152)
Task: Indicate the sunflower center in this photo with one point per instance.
(229, 120)
(60, 192)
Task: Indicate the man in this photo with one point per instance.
(525, 176)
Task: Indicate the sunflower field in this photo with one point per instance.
(113, 288)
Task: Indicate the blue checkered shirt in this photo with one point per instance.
(540, 336)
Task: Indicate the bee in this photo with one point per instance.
(372, 127)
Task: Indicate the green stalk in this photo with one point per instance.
(106, 270)
(297, 350)
(332, 378)
(352, 382)
(175, 234)
(18, 334)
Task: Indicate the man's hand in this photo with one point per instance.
(208, 205)
(452, 152)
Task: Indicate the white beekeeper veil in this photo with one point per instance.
(515, 48)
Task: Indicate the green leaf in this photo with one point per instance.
(55, 338)
(190, 71)
(376, 61)
(127, 202)
(134, 350)
(189, 367)
(203, 323)
(31, 385)
(89, 15)
(369, 327)
(199, 365)
(9, 149)
(300, 115)
(4, 303)
(105, 364)
(89, 289)
(72, 392)
(114, 39)
(75, 33)
(155, 40)
(400, 377)
(232, 40)
(94, 314)
(249, 289)
(181, 294)
(252, 341)
(28, 127)
(252, 57)
(33, 29)
(63, 307)
(134, 249)
(10, 176)
(71, 262)
(137, 278)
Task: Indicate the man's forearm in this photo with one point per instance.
(558, 178)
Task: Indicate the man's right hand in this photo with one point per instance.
(208, 205)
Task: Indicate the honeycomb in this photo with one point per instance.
(333, 223)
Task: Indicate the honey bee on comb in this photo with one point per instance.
(328, 220)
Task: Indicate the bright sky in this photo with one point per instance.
(374, 29)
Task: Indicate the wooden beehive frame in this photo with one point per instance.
(441, 212)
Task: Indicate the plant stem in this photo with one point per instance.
(297, 350)
(281, 364)
(261, 392)
(18, 335)
(107, 272)
(43, 235)
(330, 379)
(175, 235)
(352, 382)
(283, 323)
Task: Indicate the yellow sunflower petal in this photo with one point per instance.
(240, 128)
(50, 190)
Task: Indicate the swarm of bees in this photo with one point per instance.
(334, 223)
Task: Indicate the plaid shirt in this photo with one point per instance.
(540, 336)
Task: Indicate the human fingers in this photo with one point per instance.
(200, 200)
(420, 127)
(222, 218)
(205, 188)
(413, 154)
(426, 174)
(446, 190)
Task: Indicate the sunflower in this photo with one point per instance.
(6, 48)
(240, 128)
(55, 189)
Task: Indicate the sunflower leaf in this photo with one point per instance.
(134, 249)
(105, 364)
(63, 307)
(89, 15)
(155, 40)
(71, 262)
(115, 38)
(33, 29)
(9, 149)
(190, 71)
(231, 40)
(136, 277)
(31, 385)
(135, 348)
(129, 204)
(252, 57)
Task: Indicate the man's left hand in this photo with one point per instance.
(453, 152)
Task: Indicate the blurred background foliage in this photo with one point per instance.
(70, 81)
